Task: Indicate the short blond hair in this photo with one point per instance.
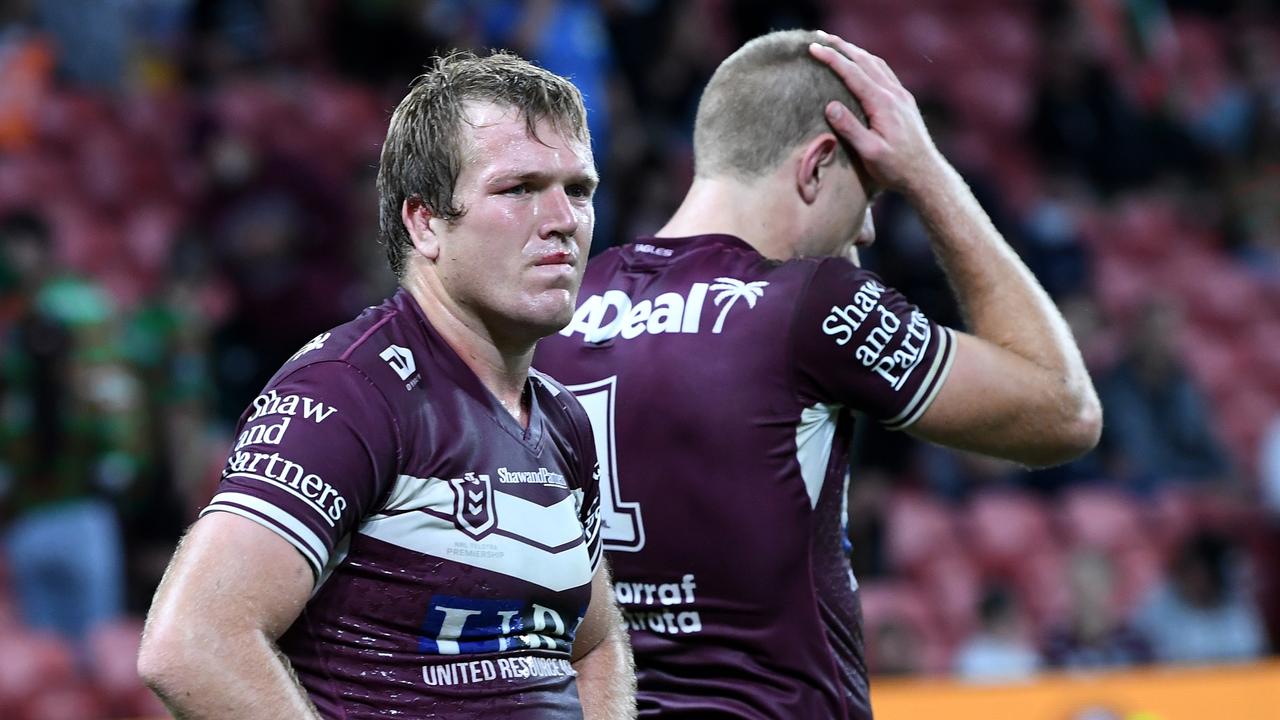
(422, 155)
(763, 101)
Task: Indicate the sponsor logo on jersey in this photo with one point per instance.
(469, 625)
(473, 506)
(883, 327)
(273, 403)
(314, 343)
(514, 668)
(659, 607)
(400, 360)
(541, 476)
(614, 314)
(291, 477)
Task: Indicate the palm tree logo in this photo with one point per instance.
(731, 290)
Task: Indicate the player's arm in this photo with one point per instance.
(1018, 387)
(602, 656)
(209, 648)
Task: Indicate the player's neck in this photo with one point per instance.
(503, 370)
(747, 210)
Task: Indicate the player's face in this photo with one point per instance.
(515, 258)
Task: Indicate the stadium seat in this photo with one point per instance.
(918, 528)
(64, 702)
(887, 602)
(29, 663)
(1138, 570)
(1004, 528)
(1039, 580)
(953, 588)
(1101, 518)
(113, 656)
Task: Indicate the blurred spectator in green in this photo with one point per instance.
(67, 431)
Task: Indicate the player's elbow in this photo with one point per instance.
(1075, 433)
(167, 660)
(159, 660)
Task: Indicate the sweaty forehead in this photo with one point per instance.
(498, 135)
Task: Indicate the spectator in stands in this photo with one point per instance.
(1092, 636)
(59, 440)
(1202, 614)
(999, 650)
(1157, 420)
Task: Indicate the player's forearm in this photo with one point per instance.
(232, 676)
(607, 679)
(1002, 301)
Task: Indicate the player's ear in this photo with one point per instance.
(417, 218)
(816, 158)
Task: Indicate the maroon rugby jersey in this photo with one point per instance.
(722, 387)
(453, 549)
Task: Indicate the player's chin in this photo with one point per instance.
(551, 310)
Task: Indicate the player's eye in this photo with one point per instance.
(578, 190)
(520, 189)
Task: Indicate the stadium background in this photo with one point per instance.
(186, 197)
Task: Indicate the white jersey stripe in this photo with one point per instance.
(931, 384)
(317, 566)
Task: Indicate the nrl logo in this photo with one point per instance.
(473, 510)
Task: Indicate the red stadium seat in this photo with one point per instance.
(953, 588)
(888, 602)
(918, 529)
(113, 657)
(31, 662)
(64, 702)
(1138, 569)
(1004, 528)
(1039, 578)
(1101, 518)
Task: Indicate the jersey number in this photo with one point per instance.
(622, 526)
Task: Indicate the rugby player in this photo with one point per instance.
(408, 524)
(723, 361)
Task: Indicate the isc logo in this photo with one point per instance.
(460, 625)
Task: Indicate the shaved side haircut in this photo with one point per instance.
(763, 101)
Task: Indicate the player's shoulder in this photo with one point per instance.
(381, 345)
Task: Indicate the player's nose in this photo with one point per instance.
(558, 214)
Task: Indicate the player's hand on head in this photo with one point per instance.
(896, 147)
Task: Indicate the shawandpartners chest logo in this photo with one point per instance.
(614, 314)
(401, 361)
(874, 350)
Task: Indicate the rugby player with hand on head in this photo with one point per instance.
(722, 363)
(408, 524)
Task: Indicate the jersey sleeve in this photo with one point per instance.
(861, 344)
(312, 456)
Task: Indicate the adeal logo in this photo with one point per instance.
(601, 318)
(729, 291)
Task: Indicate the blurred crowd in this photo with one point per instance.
(187, 197)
